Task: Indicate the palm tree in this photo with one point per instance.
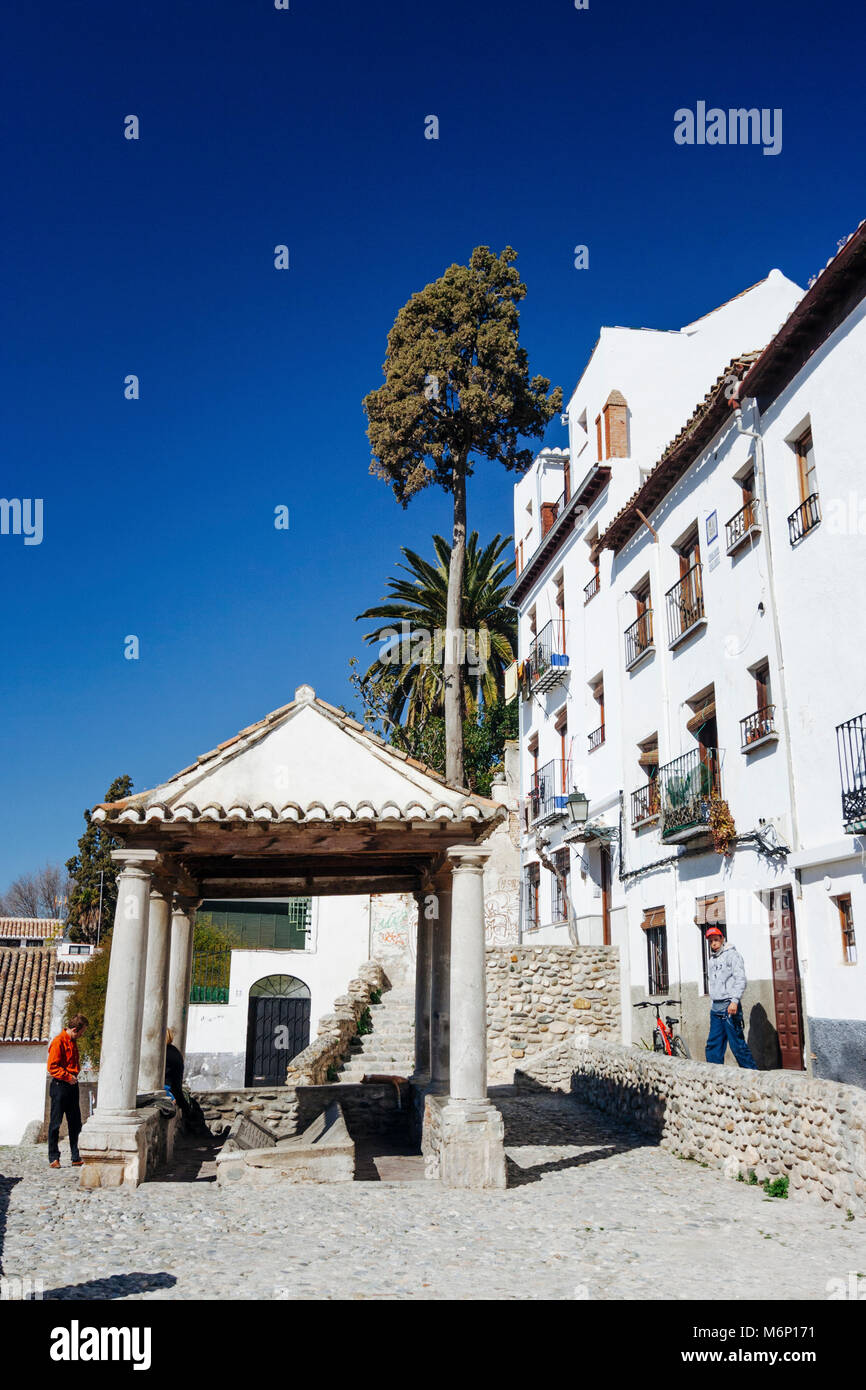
(410, 632)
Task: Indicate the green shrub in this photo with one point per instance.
(776, 1187)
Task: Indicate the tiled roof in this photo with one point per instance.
(831, 295)
(704, 423)
(68, 967)
(46, 927)
(26, 994)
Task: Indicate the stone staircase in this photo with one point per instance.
(390, 1049)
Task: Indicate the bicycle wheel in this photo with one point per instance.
(658, 1043)
(680, 1049)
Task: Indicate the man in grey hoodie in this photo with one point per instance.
(727, 981)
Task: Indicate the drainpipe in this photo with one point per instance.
(760, 473)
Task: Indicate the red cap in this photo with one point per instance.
(714, 931)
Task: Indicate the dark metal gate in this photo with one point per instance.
(278, 1029)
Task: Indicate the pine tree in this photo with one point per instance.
(92, 860)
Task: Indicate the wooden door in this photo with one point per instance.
(604, 852)
(786, 979)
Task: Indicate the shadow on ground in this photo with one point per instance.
(542, 1120)
(114, 1286)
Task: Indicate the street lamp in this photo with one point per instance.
(578, 808)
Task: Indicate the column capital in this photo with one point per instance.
(182, 904)
(468, 858)
(136, 863)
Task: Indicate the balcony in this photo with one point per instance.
(548, 662)
(645, 804)
(851, 742)
(741, 527)
(804, 519)
(596, 738)
(685, 603)
(686, 786)
(639, 639)
(551, 512)
(758, 729)
(591, 589)
(548, 792)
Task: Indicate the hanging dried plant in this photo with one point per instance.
(721, 824)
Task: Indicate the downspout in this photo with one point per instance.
(760, 474)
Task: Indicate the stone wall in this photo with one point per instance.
(537, 995)
(276, 1106)
(774, 1123)
(336, 1030)
(371, 1108)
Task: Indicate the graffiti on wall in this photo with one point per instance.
(500, 913)
(392, 917)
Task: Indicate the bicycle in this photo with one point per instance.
(664, 1038)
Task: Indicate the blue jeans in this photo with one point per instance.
(727, 1029)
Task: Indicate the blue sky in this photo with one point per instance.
(155, 257)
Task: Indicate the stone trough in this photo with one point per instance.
(323, 1153)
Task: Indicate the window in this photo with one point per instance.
(645, 801)
(596, 738)
(79, 950)
(657, 950)
(759, 725)
(639, 636)
(559, 601)
(686, 597)
(531, 884)
(709, 912)
(846, 922)
(560, 723)
(560, 908)
(808, 513)
(805, 451)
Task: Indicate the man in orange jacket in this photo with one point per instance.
(63, 1068)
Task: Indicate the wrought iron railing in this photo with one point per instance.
(591, 589)
(685, 603)
(548, 791)
(548, 661)
(639, 637)
(530, 899)
(804, 518)
(211, 971)
(645, 802)
(686, 786)
(758, 725)
(851, 742)
(740, 524)
(596, 738)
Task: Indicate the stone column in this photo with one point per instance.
(151, 1071)
(180, 968)
(464, 1136)
(468, 979)
(423, 963)
(440, 984)
(124, 1000)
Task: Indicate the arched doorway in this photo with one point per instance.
(278, 1028)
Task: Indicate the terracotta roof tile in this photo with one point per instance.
(26, 994)
(46, 927)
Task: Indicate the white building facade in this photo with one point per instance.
(677, 665)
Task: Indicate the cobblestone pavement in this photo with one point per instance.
(594, 1212)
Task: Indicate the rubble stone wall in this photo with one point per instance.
(538, 995)
(773, 1123)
